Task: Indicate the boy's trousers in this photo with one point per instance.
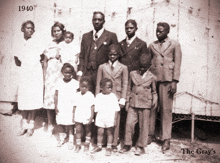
(137, 115)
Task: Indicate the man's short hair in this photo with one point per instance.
(132, 21)
(99, 12)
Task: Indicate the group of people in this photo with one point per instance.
(106, 86)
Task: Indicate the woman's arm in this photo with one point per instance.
(56, 101)
(45, 64)
(92, 114)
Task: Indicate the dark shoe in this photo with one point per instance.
(114, 149)
(139, 151)
(166, 145)
(86, 148)
(108, 152)
(125, 149)
(22, 132)
(60, 143)
(97, 149)
(151, 139)
(30, 132)
(77, 149)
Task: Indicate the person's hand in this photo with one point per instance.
(121, 106)
(172, 89)
(127, 105)
(154, 105)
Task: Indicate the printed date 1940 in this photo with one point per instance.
(26, 8)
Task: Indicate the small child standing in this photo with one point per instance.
(64, 101)
(83, 113)
(106, 108)
(142, 97)
(69, 51)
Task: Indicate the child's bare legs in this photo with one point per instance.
(69, 129)
(24, 125)
(79, 128)
(110, 132)
(99, 140)
(88, 137)
(62, 135)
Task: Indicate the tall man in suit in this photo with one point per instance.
(94, 48)
(166, 61)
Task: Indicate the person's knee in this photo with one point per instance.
(100, 131)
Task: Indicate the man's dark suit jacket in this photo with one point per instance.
(130, 55)
(105, 40)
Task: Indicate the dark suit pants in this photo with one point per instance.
(165, 105)
(92, 73)
(116, 131)
(135, 115)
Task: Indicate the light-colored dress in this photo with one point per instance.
(30, 91)
(83, 107)
(53, 74)
(66, 101)
(69, 53)
(106, 106)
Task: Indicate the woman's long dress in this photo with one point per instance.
(53, 73)
(30, 91)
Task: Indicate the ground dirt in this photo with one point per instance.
(40, 148)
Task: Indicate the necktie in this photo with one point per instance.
(112, 68)
(96, 36)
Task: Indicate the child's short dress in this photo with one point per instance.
(53, 74)
(83, 107)
(106, 106)
(66, 100)
(69, 53)
(30, 91)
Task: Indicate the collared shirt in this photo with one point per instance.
(129, 41)
(114, 64)
(143, 76)
(99, 33)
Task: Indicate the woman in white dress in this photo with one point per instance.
(30, 92)
(52, 67)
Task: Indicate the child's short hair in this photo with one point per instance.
(116, 47)
(105, 80)
(85, 78)
(25, 23)
(165, 25)
(145, 59)
(68, 32)
(65, 65)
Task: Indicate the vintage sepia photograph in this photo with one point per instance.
(109, 81)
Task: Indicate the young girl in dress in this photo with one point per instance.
(65, 95)
(30, 93)
(52, 67)
(106, 108)
(69, 51)
(83, 114)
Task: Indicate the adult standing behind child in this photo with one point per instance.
(106, 108)
(52, 67)
(141, 99)
(166, 61)
(69, 51)
(118, 73)
(30, 93)
(64, 99)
